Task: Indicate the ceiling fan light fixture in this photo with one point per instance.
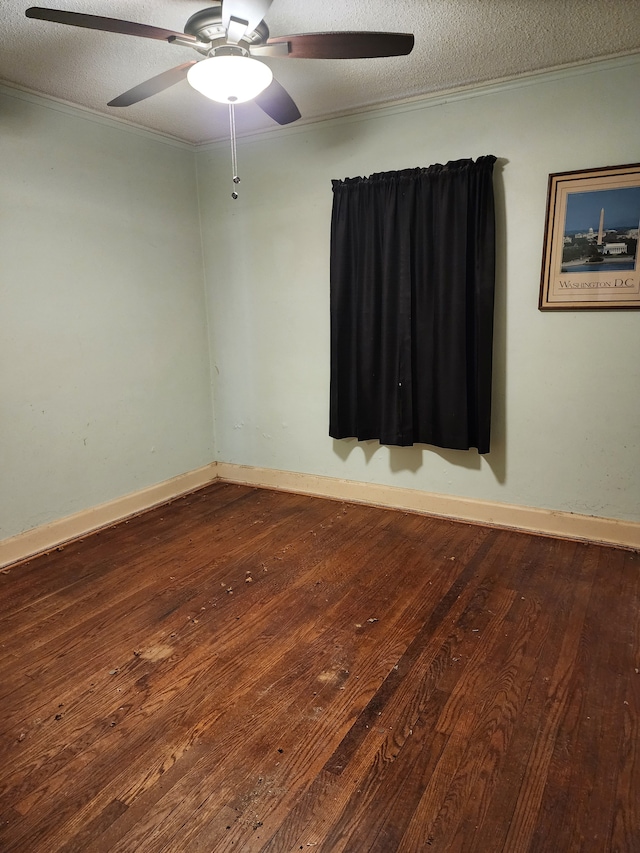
(230, 79)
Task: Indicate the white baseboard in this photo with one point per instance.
(567, 525)
(50, 535)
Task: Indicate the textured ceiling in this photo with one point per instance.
(458, 42)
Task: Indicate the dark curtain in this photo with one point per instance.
(412, 290)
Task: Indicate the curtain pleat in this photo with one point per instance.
(412, 293)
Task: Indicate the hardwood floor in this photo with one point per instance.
(247, 670)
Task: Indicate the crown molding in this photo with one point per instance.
(435, 99)
(12, 90)
(417, 102)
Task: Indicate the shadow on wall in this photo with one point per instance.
(412, 458)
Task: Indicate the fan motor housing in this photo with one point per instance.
(207, 25)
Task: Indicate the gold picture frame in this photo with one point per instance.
(590, 257)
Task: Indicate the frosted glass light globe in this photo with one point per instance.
(230, 79)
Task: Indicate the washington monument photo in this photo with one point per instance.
(601, 230)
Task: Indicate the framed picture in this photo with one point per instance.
(590, 256)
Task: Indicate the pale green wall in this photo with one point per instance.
(105, 385)
(104, 374)
(566, 412)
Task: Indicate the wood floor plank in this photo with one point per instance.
(626, 824)
(233, 671)
(524, 821)
(382, 731)
(594, 708)
(244, 669)
(345, 667)
(177, 618)
(132, 575)
(188, 676)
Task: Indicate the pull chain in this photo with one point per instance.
(234, 152)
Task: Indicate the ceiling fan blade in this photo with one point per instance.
(110, 25)
(276, 102)
(251, 11)
(346, 45)
(152, 86)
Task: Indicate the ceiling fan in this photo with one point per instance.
(233, 36)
